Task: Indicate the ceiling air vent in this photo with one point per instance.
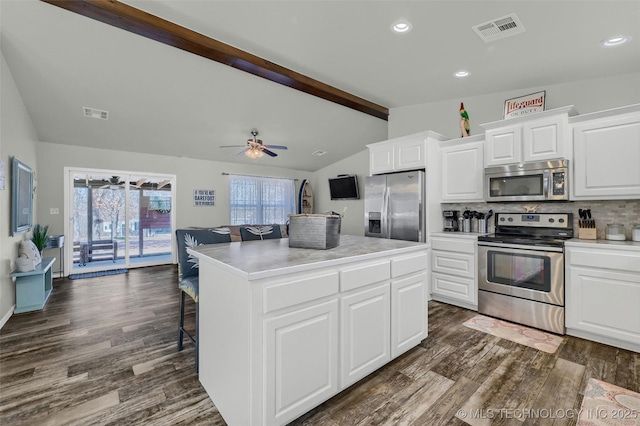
(496, 29)
(95, 113)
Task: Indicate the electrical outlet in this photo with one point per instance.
(54, 210)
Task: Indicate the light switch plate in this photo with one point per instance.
(54, 210)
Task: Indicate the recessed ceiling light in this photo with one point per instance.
(615, 41)
(461, 73)
(401, 27)
(319, 153)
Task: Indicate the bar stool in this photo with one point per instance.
(188, 268)
(189, 286)
(260, 232)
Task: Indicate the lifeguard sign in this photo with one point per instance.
(524, 105)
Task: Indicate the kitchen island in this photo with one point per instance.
(283, 329)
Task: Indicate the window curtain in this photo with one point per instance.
(260, 200)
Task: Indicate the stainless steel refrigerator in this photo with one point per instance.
(393, 206)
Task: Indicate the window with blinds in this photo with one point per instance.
(260, 200)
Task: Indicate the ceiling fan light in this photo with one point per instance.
(253, 153)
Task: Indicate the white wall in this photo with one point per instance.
(17, 138)
(190, 174)
(443, 117)
(353, 221)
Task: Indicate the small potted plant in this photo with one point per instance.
(40, 236)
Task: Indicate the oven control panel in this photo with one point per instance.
(535, 220)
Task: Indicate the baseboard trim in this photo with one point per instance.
(611, 341)
(451, 301)
(4, 319)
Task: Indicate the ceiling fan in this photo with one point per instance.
(115, 183)
(163, 183)
(255, 148)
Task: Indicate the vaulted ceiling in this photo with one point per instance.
(164, 100)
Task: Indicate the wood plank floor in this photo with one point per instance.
(103, 352)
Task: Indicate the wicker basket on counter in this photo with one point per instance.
(314, 231)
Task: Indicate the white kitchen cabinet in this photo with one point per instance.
(365, 341)
(383, 313)
(403, 153)
(503, 145)
(606, 152)
(381, 158)
(462, 177)
(537, 137)
(409, 324)
(410, 154)
(545, 138)
(454, 265)
(603, 292)
(301, 361)
(408, 313)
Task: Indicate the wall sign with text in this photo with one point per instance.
(204, 197)
(524, 105)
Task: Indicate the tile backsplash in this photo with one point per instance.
(626, 212)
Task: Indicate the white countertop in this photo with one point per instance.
(268, 258)
(605, 244)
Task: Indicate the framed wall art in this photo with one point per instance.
(204, 197)
(21, 197)
(1, 175)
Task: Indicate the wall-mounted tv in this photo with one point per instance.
(344, 187)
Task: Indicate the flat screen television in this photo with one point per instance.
(344, 187)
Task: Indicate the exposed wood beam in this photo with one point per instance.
(128, 18)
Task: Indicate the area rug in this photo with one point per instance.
(98, 274)
(517, 333)
(607, 404)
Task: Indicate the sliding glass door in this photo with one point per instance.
(118, 220)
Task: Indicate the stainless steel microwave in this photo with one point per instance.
(543, 181)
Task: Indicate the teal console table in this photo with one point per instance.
(33, 288)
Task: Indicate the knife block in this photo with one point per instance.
(587, 233)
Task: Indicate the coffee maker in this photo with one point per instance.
(450, 220)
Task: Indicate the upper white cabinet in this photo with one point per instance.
(606, 152)
(380, 157)
(503, 145)
(537, 137)
(462, 162)
(404, 153)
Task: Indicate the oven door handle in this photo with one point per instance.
(520, 247)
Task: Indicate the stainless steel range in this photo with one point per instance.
(521, 269)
